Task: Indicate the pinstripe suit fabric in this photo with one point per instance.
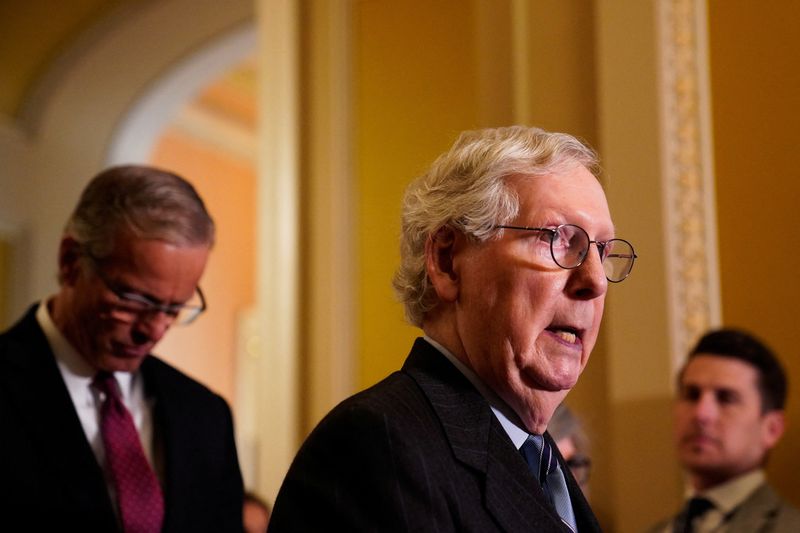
(419, 451)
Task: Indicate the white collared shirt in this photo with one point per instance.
(78, 376)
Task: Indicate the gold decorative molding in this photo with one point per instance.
(687, 177)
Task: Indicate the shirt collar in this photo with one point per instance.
(505, 415)
(727, 496)
(77, 373)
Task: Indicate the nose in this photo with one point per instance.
(589, 280)
(151, 327)
(705, 408)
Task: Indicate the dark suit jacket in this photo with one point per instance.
(49, 477)
(763, 512)
(420, 451)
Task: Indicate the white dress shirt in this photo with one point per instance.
(78, 376)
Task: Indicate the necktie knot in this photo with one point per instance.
(695, 508)
(541, 459)
(106, 383)
(539, 455)
(698, 507)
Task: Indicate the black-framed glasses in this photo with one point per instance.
(581, 467)
(132, 306)
(569, 247)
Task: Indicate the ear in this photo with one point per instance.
(772, 428)
(69, 260)
(440, 249)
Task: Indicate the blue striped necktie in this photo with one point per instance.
(542, 461)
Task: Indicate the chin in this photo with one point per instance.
(566, 386)
(698, 460)
(567, 378)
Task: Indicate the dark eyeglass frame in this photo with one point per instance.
(581, 467)
(601, 246)
(150, 306)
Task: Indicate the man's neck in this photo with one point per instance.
(68, 357)
(58, 308)
(534, 416)
(704, 482)
(729, 494)
(446, 336)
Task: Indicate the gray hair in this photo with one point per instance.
(148, 202)
(467, 188)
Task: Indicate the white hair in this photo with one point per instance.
(467, 188)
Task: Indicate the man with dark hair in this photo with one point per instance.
(99, 435)
(729, 414)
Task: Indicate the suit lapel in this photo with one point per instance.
(45, 408)
(512, 495)
(756, 511)
(169, 453)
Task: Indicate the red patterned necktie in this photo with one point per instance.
(141, 505)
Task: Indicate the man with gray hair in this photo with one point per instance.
(98, 433)
(507, 251)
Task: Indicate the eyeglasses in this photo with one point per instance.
(580, 467)
(569, 247)
(132, 306)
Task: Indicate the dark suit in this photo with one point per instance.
(49, 476)
(763, 511)
(420, 451)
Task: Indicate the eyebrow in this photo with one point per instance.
(714, 389)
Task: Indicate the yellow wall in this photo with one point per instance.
(206, 348)
(562, 62)
(414, 91)
(755, 79)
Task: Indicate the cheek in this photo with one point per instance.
(92, 315)
(103, 331)
(534, 299)
(590, 338)
(751, 432)
(599, 308)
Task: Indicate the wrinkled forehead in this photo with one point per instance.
(573, 195)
